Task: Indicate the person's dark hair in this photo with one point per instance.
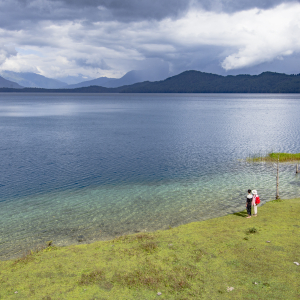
(249, 191)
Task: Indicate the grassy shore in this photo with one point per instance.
(274, 156)
(229, 257)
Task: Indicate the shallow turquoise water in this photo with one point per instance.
(105, 165)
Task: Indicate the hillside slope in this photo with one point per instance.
(4, 83)
(28, 79)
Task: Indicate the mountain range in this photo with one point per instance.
(28, 79)
(200, 82)
(129, 78)
(196, 82)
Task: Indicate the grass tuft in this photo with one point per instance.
(197, 255)
(277, 200)
(149, 246)
(26, 258)
(251, 230)
(144, 236)
(154, 278)
(96, 277)
(49, 243)
(29, 255)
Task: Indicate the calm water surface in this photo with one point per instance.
(105, 165)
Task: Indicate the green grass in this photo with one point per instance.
(200, 260)
(274, 156)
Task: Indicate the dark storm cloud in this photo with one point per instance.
(111, 37)
(17, 13)
(159, 9)
(134, 10)
(14, 13)
(239, 5)
(92, 62)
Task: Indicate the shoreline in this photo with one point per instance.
(81, 239)
(84, 240)
(198, 260)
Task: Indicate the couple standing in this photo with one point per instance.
(252, 200)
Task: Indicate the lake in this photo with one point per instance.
(87, 167)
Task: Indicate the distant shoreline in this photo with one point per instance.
(92, 91)
(193, 82)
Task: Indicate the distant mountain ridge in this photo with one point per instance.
(129, 78)
(28, 79)
(199, 82)
(32, 80)
(4, 83)
(101, 81)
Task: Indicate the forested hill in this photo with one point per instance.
(197, 82)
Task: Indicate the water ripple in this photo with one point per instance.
(118, 164)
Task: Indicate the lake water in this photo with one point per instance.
(103, 165)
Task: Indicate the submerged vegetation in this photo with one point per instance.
(275, 156)
(224, 258)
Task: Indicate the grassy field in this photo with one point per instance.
(229, 257)
(273, 157)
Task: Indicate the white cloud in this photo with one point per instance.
(267, 35)
(6, 51)
(252, 36)
(232, 40)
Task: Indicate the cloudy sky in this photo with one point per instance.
(95, 38)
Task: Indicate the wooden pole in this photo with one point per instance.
(277, 180)
(297, 169)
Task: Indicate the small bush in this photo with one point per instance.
(266, 284)
(252, 230)
(49, 243)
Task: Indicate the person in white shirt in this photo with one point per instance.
(254, 193)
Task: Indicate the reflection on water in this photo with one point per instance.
(37, 109)
(101, 166)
